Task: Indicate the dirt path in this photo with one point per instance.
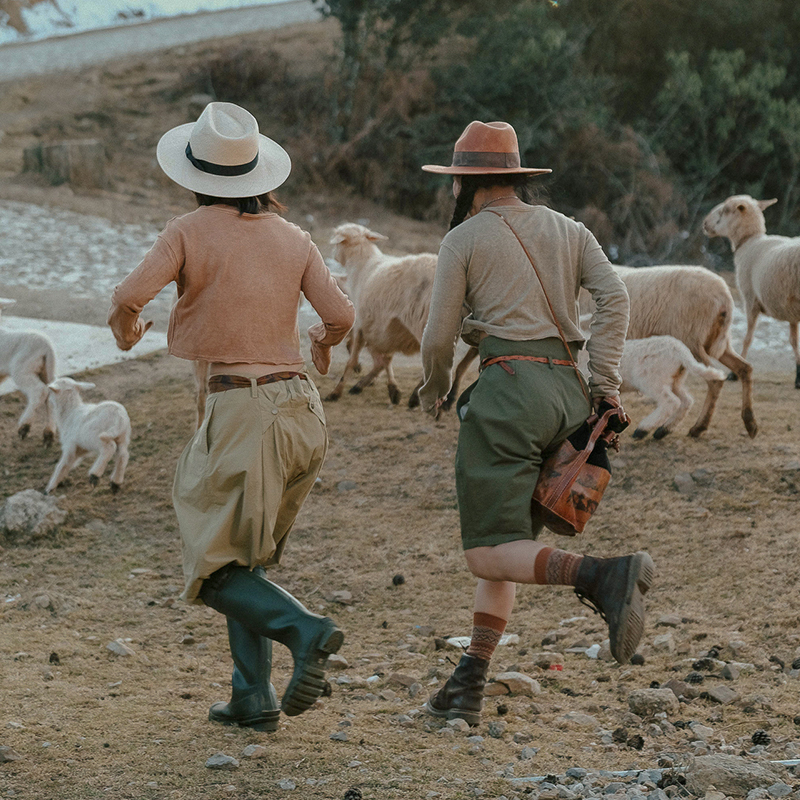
(94, 47)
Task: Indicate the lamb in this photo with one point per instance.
(103, 428)
(28, 358)
(391, 295)
(657, 368)
(696, 307)
(767, 267)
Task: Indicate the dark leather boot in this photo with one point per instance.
(268, 610)
(253, 702)
(462, 695)
(613, 588)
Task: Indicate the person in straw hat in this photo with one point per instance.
(527, 400)
(240, 269)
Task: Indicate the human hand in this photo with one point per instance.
(139, 330)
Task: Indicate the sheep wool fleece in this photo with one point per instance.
(237, 493)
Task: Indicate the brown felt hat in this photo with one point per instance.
(486, 148)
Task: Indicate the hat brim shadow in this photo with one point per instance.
(272, 169)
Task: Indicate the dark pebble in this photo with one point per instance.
(636, 742)
(637, 659)
(398, 580)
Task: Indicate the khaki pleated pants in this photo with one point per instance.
(242, 479)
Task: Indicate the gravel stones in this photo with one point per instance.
(647, 702)
(720, 694)
(118, 647)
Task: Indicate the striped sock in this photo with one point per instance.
(556, 567)
(486, 633)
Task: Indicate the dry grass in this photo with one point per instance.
(117, 727)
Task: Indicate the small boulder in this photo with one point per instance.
(29, 516)
(518, 683)
(729, 774)
(647, 702)
(118, 647)
(8, 754)
(221, 761)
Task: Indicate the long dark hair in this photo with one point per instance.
(261, 204)
(521, 183)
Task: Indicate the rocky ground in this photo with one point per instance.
(107, 677)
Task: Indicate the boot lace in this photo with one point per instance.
(589, 603)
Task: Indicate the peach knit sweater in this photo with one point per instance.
(239, 279)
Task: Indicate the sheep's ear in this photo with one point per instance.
(84, 386)
(376, 237)
(337, 237)
(53, 388)
(762, 204)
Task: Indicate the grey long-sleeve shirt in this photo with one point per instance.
(485, 285)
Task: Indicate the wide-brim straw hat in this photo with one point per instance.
(486, 148)
(223, 154)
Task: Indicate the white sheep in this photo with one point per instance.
(767, 267)
(28, 358)
(391, 295)
(696, 307)
(657, 367)
(392, 298)
(102, 428)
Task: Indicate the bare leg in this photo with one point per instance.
(512, 561)
(495, 598)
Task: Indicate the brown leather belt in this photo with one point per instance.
(560, 362)
(221, 383)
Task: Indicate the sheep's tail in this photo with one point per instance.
(701, 370)
(48, 371)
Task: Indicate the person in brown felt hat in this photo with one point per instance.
(527, 399)
(240, 269)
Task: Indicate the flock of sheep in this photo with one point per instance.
(680, 320)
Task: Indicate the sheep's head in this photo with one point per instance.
(67, 385)
(738, 218)
(350, 235)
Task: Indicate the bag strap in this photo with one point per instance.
(549, 304)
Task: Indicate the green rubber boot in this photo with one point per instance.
(268, 610)
(253, 702)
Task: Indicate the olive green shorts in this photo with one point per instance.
(509, 424)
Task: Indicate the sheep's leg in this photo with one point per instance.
(413, 400)
(120, 464)
(796, 349)
(67, 461)
(458, 376)
(201, 389)
(36, 393)
(712, 395)
(744, 372)
(106, 452)
(752, 318)
(391, 383)
(378, 363)
(358, 343)
(667, 406)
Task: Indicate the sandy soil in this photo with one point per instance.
(90, 724)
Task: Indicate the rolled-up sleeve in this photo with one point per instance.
(333, 306)
(159, 267)
(609, 321)
(443, 327)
